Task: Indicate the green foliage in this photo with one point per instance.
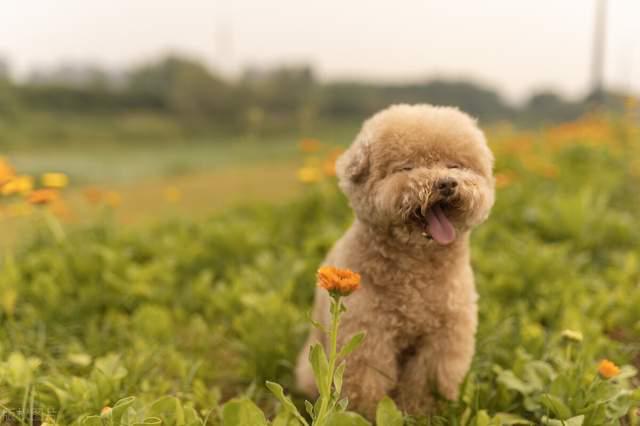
(329, 409)
(388, 414)
(193, 314)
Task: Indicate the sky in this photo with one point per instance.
(515, 46)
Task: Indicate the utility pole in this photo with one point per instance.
(599, 40)
(223, 38)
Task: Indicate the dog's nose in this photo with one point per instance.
(446, 186)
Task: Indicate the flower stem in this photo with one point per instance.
(333, 350)
(54, 226)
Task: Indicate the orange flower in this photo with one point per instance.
(504, 179)
(329, 166)
(608, 369)
(93, 195)
(43, 196)
(338, 281)
(309, 145)
(6, 171)
(60, 209)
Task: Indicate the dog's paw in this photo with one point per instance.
(448, 383)
(449, 390)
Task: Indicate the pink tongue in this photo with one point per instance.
(439, 226)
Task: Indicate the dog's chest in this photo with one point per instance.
(419, 304)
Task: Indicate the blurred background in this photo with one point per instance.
(167, 192)
(206, 101)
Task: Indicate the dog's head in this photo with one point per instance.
(420, 170)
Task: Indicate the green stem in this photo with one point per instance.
(54, 226)
(333, 350)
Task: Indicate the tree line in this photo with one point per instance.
(277, 98)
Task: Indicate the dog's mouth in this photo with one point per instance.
(435, 224)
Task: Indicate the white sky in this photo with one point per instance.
(515, 45)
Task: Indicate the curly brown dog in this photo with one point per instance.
(418, 178)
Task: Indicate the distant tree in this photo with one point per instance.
(351, 100)
(182, 86)
(283, 89)
(358, 99)
(548, 107)
(77, 76)
(8, 98)
(4, 69)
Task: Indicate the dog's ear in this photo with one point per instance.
(353, 165)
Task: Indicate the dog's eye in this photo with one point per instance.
(403, 169)
(454, 166)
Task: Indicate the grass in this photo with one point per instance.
(204, 176)
(186, 314)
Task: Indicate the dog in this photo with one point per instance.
(419, 178)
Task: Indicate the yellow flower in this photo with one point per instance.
(55, 180)
(43, 196)
(572, 335)
(608, 369)
(338, 281)
(172, 194)
(18, 185)
(309, 174)
(106, 410)
(113, 199)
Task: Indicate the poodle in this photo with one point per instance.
(419, 179)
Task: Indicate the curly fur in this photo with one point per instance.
(418, 300)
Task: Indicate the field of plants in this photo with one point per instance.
(165, 323)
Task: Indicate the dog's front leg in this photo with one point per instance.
(450, 351)
(439, 364)
(371, 371)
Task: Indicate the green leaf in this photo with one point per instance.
(511, 420)
(627, 372)
(509, 380)
(556, 406)
(343, 404)
(337, 377)
(120, 407)
(169, 409)
(387, 414)
(309, 407)
(320, 366)
(354, 342)
(149, 421)
(346, 418)
(92, 421)
(573, 421)
(481, 419)
(284, 418)
(315, 323)
(288, 405)
(111, 366)
(242, 412)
